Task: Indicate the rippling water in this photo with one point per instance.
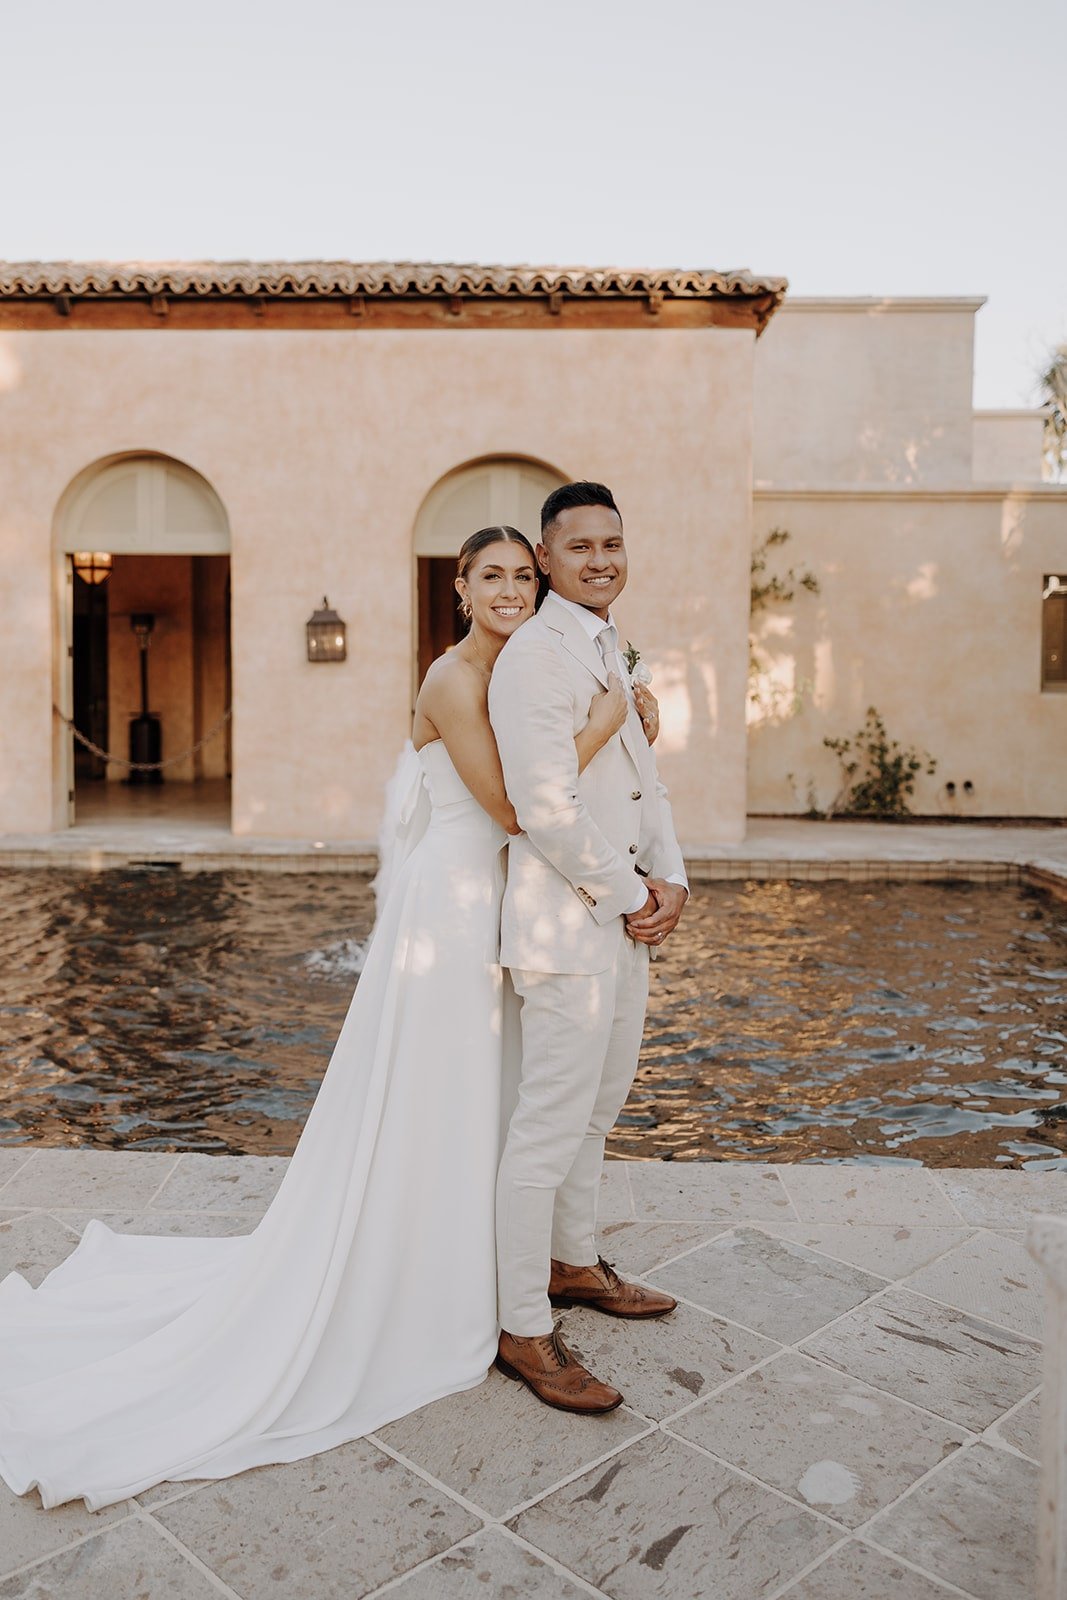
(788, 1022)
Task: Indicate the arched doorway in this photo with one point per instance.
(141, 546)
(502, 489)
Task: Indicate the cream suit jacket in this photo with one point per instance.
(571, 870)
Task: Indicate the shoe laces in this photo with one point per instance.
(614, 1281)
(552, 1344)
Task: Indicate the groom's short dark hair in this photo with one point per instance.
(570, 495)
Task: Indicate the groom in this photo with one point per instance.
(594, 880)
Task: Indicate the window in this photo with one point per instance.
(1054, 632)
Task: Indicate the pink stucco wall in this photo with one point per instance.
(322, 447)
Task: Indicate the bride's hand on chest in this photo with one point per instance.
(648, 710)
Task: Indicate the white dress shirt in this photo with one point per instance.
(594, 627)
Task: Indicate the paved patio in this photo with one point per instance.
(844, 1405)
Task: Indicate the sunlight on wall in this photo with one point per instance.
(1012, 518)
(924, 585)
(825, 685)
(773, 692)
(772, 684)
(334, 801)
(10, 367)
(675, 708)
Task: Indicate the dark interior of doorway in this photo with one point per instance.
(440, 623)
(189, 672)
(90, 676)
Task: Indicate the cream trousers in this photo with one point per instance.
(580, 1040)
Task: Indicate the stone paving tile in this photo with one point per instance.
(860, 1194)
(9, 1213)
(615, 1199)
(108, 1180)
(1002, 1199)
(334, 1526)
(498, 1446)
(665, 1364)
(160, 1492)
(131, 1562)
(973, 1524)
(491, 1566)
(12, 1159)
(33, 1244)
(712, 1191)
(887, 1251)
(771, 1285)
(636, 1247)
(1022, 1430)
(992, 1275)
(28, 1531)
(663, 1519)
(823, 1437)
(222, 1183)
(856, 1572)
(184, 1224)
(946, 1361)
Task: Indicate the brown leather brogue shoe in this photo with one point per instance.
(547, 1367)
(601, 1288)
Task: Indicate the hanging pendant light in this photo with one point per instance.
(92, 566)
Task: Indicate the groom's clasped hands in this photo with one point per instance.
(660, 913)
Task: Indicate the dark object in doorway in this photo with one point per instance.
(146, 730)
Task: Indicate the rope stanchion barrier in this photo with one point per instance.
(145, 766)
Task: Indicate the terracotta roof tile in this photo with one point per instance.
(22, 279)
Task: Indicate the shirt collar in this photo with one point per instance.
(592, 624)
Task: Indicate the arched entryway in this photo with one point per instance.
(141, 545)
(501, 489)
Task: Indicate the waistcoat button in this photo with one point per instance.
(633, 849)
(636, 795)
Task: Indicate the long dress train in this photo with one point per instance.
(368, 1288)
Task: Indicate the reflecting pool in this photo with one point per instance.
(892, 1022)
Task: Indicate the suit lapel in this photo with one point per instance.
(632, 731)
(575, 639)
(578, 644)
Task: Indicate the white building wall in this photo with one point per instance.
(929, 532)
(1007, 446)
(865, 391)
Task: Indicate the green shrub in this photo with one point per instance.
(879, 774)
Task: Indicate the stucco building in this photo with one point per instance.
(243, 440)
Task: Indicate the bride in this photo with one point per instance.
(368, 1288)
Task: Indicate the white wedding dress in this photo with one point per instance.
(368, 1288)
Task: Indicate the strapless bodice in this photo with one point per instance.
(453, 804)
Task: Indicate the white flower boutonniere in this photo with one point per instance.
(639, 673)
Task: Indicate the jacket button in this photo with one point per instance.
(633, 849)
(636, 795)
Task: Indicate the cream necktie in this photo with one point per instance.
(608, 642)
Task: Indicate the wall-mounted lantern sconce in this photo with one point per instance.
(92, 566)
(326, 635)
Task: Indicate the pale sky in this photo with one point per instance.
(911, 147)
